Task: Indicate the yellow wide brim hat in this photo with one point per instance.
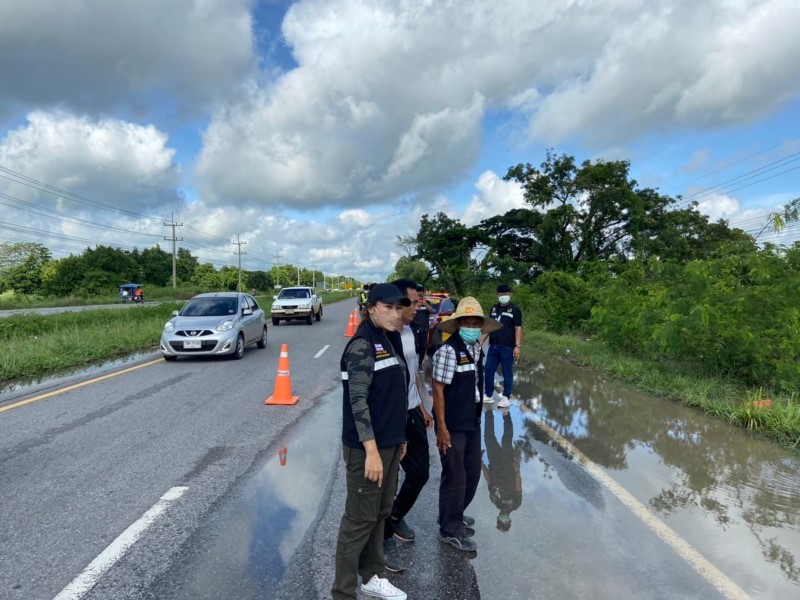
(469, 307)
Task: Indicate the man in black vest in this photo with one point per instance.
(457, 390)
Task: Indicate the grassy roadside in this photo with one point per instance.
(775, 417)
(33, 346)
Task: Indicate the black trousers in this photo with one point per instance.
(461, 472)
(416, 466)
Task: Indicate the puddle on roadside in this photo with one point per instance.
(736, 498)
(251, 542)
(29, 386)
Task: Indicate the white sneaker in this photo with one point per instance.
(488, 399)
(381, 588)
(503, 402)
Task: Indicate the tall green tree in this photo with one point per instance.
(185, 264)
(156, 266)
(21, 266)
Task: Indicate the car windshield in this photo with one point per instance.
(293, 294)
(209, 307)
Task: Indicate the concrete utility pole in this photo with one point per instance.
(298, 275)
(174, 239)
(239, 252)
(278, 258)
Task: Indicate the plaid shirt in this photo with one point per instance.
(444, 364)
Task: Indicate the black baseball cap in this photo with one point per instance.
(503, 289)
(387, 294)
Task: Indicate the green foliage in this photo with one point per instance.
(409, 268)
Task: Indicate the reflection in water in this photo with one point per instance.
(685, 463)
(502, 473)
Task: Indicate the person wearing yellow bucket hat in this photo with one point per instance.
(457, 393)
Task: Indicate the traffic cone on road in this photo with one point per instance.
(282, 456)
(351, 326)
(283, 382)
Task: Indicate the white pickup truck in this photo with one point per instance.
(300, 302)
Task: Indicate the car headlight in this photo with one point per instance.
(169, 327)
(225, 326)
(275, 307)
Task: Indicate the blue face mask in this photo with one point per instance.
(504, 299)
(469, 334)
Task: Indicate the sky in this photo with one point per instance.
(318, 131)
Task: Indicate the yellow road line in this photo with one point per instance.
(69, 388)
(700, 564)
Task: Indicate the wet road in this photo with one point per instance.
(554, 519)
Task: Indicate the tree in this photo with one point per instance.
(447, 245)
(185, 264)
(258, 280)
(409, 268)
(595, 211)
(156, 266)
(21, 266)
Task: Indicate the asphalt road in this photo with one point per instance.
(78, 469)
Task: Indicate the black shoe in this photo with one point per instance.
(467, 531)
(402, 531)
(392, 557)
(465, 519)
(461, 542)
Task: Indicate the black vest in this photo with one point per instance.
(461, 412)
(388, 395)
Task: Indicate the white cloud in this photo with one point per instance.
(95, 55)
(119, 165)
(495, 197)
(388, 98)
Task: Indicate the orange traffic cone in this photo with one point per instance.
(351, 326)
(282, 456)
(283, 382)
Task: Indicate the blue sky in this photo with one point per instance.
(322, 129)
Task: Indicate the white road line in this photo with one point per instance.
(86, 580)
(700, 564)
(321, 352)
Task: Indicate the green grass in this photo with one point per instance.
(32, 346)
(724, 399)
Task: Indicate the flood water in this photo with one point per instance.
(546, 528)
(732, 496)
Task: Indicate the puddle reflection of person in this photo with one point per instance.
(502, 473)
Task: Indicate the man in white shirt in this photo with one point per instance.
(416, 462)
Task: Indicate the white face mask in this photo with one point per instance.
(504, 299)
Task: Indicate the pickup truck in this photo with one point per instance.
(296, 303)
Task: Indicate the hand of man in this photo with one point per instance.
(517, 353)
(403, 449)
(373, 468)
(443, 440)
(427, 418)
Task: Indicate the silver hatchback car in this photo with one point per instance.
(212, 324)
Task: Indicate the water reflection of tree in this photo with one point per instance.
(718, 470)
(502, 472)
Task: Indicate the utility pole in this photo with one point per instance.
(239, 252)
(174, 239)
(298, 274)
(278, 258)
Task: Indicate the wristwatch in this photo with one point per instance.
(517, 346)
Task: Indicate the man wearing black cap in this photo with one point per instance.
(375, 380)
(504, 346)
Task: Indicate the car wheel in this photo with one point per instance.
(238, 353)
(169, 358)
(275, 321)
(310, 319)
(262, 343)
(319, 313)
